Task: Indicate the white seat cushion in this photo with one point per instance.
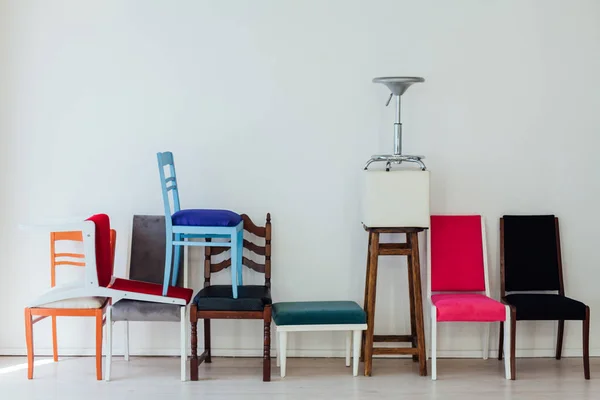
(395, 199)
(80, 302)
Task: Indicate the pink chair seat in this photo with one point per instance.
(465, 307)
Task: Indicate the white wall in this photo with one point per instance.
(269, 107)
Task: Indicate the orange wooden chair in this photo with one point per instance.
(75, 307)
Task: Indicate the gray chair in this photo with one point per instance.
(147, 263)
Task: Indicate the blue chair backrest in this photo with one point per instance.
(168, 183)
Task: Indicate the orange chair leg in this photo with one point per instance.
(99, 345)
(54, 339)
(29, 341)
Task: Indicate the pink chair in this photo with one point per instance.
(458, 280)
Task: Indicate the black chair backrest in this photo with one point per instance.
(148, 243)
(530, 253)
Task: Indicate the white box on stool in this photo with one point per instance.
(395, 198)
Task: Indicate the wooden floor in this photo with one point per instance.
(150, 378)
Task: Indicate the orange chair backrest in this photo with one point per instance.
(57, 259)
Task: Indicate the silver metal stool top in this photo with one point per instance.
(397, 85)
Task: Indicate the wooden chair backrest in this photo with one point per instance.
(261, 250)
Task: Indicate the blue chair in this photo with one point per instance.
(196, 223)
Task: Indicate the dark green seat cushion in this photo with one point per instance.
(318, 313)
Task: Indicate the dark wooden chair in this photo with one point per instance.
(217, 302)
(530, 261)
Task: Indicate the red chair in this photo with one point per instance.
(458, 275)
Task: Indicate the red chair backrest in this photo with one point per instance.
(104, 258)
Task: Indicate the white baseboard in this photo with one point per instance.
(312, 353)
(521, 353)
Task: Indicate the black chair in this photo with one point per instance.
(530, 261)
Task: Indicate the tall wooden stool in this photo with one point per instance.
(417, 335)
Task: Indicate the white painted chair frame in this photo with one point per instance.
(486, 328)
(353, 341)
(90, 287)
(110, 323)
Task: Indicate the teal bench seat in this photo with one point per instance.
(318, 313)
(313, 316)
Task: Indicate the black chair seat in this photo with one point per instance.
(220, 298)
(530, 307)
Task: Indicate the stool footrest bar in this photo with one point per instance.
(393, 338)
(409, 351)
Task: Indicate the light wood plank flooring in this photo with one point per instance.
(150, 378)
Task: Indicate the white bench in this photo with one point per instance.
(314, 316)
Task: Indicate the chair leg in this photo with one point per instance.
(356, 341)
(277, 342)
(559, 339)
(506, 332)
(234, 265)
(186, 266)
(126, 353)
(486, 340)
(267, 344)
(109, 345)
(168, 261)
(54, 339)
(208, 358)
(348, 347)
(99, 328)
(182, 344)
(586, 344)
(194, 358)
(29, 341)
(240, 255)
(176, 260)
(282, 352)
(433, 343)
(513, 343)
(501, 341)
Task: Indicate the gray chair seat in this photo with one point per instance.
(135, 310)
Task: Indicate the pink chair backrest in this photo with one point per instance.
(104, 264)
(457, 262)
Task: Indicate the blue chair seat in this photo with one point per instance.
(204, 217)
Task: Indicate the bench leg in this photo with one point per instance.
(277, 348)
(348, 347)
(282, 351)
(356, 339)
